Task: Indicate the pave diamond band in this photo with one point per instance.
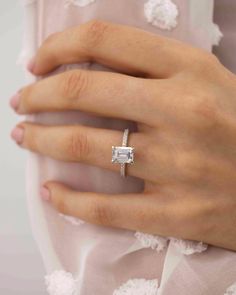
(125, 137)
(123, 154)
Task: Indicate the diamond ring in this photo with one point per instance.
(123, 154)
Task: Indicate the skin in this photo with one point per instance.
(183, 101)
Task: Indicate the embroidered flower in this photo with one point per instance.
(155, 242)
(216, 34)
(161, 13)
(189, 247)
(72, 220)
(138, 287)
(81, 3)
(231, 290)
(60, 283)
(159, 243)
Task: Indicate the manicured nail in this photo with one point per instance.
(17, 134)
(45, 194)
(31, 65)
(15, 101)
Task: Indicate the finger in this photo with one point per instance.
(129, 211)
(82, 144)
(124, 48)
(154, 160)
(102, 93)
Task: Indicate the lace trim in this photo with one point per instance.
(138, 287)
(60, 283)
(81, 3)
(231, 290)
(160, 243)
(155, 242)
(161, 13)
(189, 247)
(73, 220)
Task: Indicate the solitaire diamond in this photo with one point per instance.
(122, 154)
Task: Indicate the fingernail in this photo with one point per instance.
(17, 134)
(15, 101)
(31, 65)
(45, 194)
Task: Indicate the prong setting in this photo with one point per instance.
(122, 155)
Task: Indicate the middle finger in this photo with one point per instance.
(102, 93)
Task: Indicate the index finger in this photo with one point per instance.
(123, 48)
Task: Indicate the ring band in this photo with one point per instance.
(123, 154)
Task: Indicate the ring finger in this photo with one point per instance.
(83, 144)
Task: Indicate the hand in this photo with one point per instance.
(184, 102)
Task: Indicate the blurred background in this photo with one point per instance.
(21, 268)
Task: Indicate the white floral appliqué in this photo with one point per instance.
(60, 283)
(216, 34)
(73, 220)
(187, 247)
(80, 3)
(138, 287)
(161, 13)
(150, 241)
(159, 243)
(231, 290)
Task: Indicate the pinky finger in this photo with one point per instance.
(127, 211)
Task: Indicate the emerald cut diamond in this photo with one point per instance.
(122, 154)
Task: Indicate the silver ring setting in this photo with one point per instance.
(123, 154)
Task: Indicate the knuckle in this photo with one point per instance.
(101, 213)
(94, 33)
(73, 84)
(78, 146)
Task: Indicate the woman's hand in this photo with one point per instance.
(184, 102)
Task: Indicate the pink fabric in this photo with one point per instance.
(105, 258)
(225, 17)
